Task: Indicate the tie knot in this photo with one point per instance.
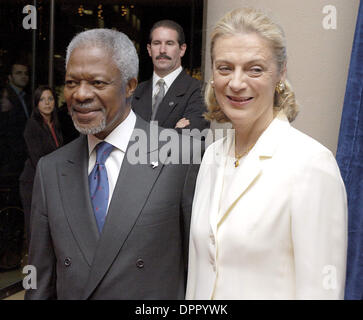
(103, 150)
(160, 82)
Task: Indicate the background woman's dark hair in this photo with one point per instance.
(54, 116)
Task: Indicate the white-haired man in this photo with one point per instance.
(103, 228)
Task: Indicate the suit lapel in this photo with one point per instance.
(136, 180)
(216, 171)
(73, 180)
(252, 166)
(143, 100)
(242, 180)
(172, 98)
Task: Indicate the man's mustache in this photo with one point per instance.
(163, 56)
(85, 105)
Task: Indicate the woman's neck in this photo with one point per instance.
(47, 119)
(246, 136)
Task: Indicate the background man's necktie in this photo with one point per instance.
(158, 98)
(98, 183)
(21, 96)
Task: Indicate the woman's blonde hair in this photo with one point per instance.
(248, 20)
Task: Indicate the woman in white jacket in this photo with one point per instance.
(269, 216)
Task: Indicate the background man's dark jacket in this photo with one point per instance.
(182, 100)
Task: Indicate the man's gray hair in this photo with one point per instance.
(117, 43)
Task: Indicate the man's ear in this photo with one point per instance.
(183, 48)
(131, 87)
(148, 47)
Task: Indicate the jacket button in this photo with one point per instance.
(140, 263)
(67, 262)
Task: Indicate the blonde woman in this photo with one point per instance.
(269, 216)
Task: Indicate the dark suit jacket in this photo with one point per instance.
(39, 142)
(183, 100)
(11, 132)
(18, 107)
(142, 250)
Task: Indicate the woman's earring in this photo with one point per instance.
(280, 88)
(212, 83)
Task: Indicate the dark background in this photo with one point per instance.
(70, 19)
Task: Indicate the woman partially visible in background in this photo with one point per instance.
(42, 136)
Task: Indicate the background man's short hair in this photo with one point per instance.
(17, 62)
(170, 24)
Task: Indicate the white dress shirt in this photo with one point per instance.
(119, 138)
(169, 79)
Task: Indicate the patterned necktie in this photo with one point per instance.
(98, 183)
(21, 97)
(158, 98)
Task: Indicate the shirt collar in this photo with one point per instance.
(119, 137)
(169, 79)
(17, 90)
(269, 140)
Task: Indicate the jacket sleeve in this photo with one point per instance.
(41, 252)
(36, 143)
(188, 195)
(195, 108)
(319, 229)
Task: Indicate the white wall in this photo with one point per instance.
(318, 59)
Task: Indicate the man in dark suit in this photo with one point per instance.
(18, 80)
(105, 226)
(14, 118)
(176, 101)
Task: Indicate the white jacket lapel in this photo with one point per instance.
(242, 180)
(216, 172)
(252, 166)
